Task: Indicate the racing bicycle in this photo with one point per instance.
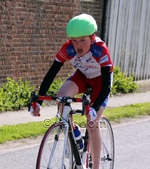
(59, 149)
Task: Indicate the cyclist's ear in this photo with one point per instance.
(92, 37)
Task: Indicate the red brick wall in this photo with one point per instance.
(32, 31)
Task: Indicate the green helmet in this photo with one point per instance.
(81, 25)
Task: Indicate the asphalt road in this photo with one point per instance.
(132, 146)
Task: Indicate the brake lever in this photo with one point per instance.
(85, 104)
(33, 99)
(30, 102)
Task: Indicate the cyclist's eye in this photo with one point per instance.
(73, 40)
(83, 40)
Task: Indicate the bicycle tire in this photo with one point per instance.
(52, 147)
(108, 146)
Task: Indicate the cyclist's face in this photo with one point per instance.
(81, 44)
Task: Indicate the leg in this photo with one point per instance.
(95, 139)
(69, 88)
(72, 86)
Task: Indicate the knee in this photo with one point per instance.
(93, 127)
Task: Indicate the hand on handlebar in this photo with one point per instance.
(35, 111)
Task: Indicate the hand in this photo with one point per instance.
(36, 111)
(92, 114)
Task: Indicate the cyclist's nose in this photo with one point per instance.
(79, 44)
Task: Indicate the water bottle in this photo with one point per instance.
(78, 138)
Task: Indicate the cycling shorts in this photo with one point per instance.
(83, 83)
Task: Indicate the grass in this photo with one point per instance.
(131, 111)
(34, 129)
(19, 131)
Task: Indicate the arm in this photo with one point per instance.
(49, 77)
(106, 87)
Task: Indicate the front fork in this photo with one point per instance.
(69, 133)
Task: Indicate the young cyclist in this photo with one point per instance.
(90, 56)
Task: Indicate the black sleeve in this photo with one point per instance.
(49, 77)
(106, 87)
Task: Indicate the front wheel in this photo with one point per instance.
(55, 149)
(108, 147)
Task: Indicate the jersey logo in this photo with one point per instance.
(70, 51)
(96, 51)
(85, 63)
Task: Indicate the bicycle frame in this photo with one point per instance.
(65, 117)
(77, 155)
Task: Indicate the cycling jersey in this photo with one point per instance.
(90, 64)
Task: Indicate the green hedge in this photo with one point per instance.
(14, 95)
(123, 83)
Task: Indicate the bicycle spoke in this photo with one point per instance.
(51, 154)
(107, 152)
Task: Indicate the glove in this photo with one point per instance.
(92, 114)
(36, 111)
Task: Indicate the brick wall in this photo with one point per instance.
(31, 32)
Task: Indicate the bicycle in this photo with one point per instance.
(58, 148)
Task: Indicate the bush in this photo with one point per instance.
(55, 86)
(14, 95)
(123, 83)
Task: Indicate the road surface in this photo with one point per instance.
(132, 146)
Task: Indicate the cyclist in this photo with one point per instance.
(90, 56)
